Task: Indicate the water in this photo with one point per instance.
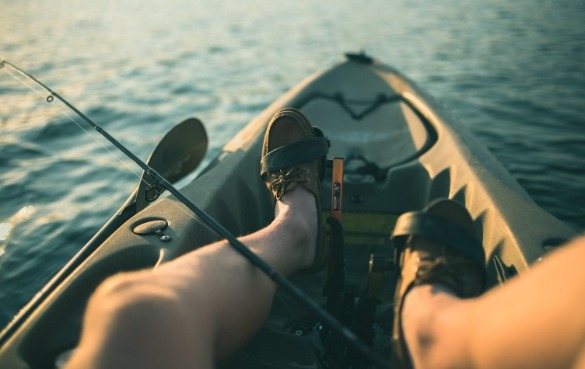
(512, 71)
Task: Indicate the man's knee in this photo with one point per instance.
(133, 320)
(133, 299)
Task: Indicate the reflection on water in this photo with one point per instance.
(511, 70)
(7, 226)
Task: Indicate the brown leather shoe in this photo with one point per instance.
(436, 246)
(294, 153)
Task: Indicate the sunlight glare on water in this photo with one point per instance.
(6, 227)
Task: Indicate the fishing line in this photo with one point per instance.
(39, 88)
(352, 340)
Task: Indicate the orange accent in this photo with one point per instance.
(337, 188)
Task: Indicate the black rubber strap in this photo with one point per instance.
(438, 229)
(296, 153)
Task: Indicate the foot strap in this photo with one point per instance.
(297, 153)
(438, 229)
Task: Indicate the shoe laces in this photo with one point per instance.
(280, 181)
(446, 271)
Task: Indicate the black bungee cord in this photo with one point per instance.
(353, 341)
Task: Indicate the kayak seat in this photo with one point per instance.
(386, 136)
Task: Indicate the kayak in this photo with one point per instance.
(399, 150)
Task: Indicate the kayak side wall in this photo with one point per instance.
(508, 220)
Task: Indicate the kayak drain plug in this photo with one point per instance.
(152, 226)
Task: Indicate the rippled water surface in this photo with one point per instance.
(512, 71)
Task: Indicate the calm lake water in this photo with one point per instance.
(512, 71)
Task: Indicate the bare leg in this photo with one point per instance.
(199, 307)
(535, 321)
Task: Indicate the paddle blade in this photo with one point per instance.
(178, 153)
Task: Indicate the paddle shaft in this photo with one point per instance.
(280, 280)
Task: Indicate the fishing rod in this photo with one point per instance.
(353, 341)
